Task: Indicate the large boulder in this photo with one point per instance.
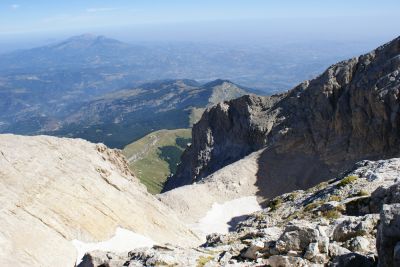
(102, 258)
(298, 235)
(279, 261)
(388, 239)
(353, 260)
(385, 195)
(354, 226)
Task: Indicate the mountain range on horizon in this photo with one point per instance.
(43, 86)
(121, 117)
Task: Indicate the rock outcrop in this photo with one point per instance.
(388, 239)
(335, 223)
(349, 113)
(55, 190)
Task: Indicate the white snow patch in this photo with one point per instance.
(218, 217)
(123, 241)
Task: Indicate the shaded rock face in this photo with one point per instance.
(388, 240)
(226, 132)
(349, 113)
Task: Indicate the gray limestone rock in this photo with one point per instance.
(337, 250)
(101, 258)
(353, 260)
(254, 248)
(388, 235)
(299, 235)
(359, 244)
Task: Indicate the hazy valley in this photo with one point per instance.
(44, 87)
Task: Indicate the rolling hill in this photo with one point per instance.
(155, 157)
(124, 116)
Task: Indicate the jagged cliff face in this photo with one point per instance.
(226, 133)
(54, 190)
(349, 113)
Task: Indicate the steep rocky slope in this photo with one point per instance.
(335, 223)
(233, 182)
(349, 113)
(53, 191)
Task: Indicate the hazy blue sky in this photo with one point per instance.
(201, 19)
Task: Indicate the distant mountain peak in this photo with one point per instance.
(86, 36)
(218, 82)
(87, 40)
(229, 87)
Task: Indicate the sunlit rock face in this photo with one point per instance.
(55, 190)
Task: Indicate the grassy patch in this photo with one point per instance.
(335, 198)
(202, 260)
(347, 180)
(309, 207)
(275, 203)
(292, 196)
(154, 157)
(259, 216)
(295, 215)
(321, 185)
(363, 193)
(318, 187)
(163, 264)
(331, 214)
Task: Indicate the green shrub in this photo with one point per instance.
(347, 180)
(275, 203)
(363, 193)
(295, 215)
(201, 261)
(334, 198)
(331, 214)
(259, 216)
(313, 205)
(321, 185)
(292, 196)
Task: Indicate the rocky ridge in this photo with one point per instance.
(348, 113)
(335, 223)
(118, 118)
